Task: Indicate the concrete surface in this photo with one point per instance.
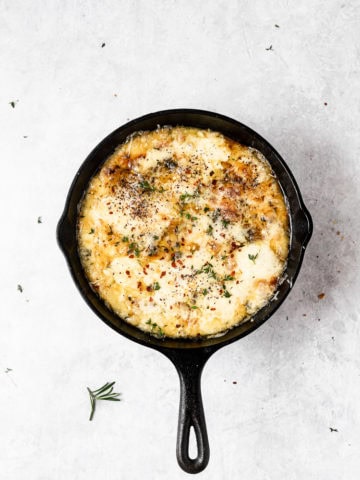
(297, 376)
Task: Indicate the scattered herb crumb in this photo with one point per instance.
(103, 393)
(13, 103)
(20, 288)
(325, 103)
(39, 220)
(103, 45)
(321, 296)
(25, 136)
(253, 257)
(270, 48)
(91, 231)
(333, 429)
(8, 370)
(276, 25)
(234, 382)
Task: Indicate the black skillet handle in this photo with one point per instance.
(189, 365)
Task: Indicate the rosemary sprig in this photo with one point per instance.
(103, 393)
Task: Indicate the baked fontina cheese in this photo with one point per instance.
(184, 232)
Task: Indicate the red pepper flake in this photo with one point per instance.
(111, 213)
(233, 273)
(180, 262)
(222, 235)
(213, 308)
(237, 282)
(151, 299)
(139, 285)
(131, 256)
(173, 264)
(178, 325)
(148, 289)
(144, 271)
(189, 231)
(170, 307)
(321, 296)
(214, 182)
(221, 189)
(128, 272)
(147, 266)
(189, 256)
(221, 292)
(162, 274)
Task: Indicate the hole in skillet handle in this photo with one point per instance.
(189, 365)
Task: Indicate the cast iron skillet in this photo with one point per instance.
(188, 356)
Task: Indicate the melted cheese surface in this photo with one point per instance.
(184, 232)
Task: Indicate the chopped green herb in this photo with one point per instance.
(156, 286)
(194, 307)
(205, 291)
(227, 294)
(134, 248)
(253, 257)
(224, 257)
(8, 370)
(145, 185)
(103, 393)
(190, 217)
(228, 278)
(13, 103)
(155, 329)
(208, 269)
(186, 196)
(125, 239)
(269, 48)
(225, 222)
(39, 220)
(155, 237)
(20, 288)
(206, 209)
(210, 229)
(91, 231)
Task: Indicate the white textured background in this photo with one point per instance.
(299, 374)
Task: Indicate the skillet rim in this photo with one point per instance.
(300, 222)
